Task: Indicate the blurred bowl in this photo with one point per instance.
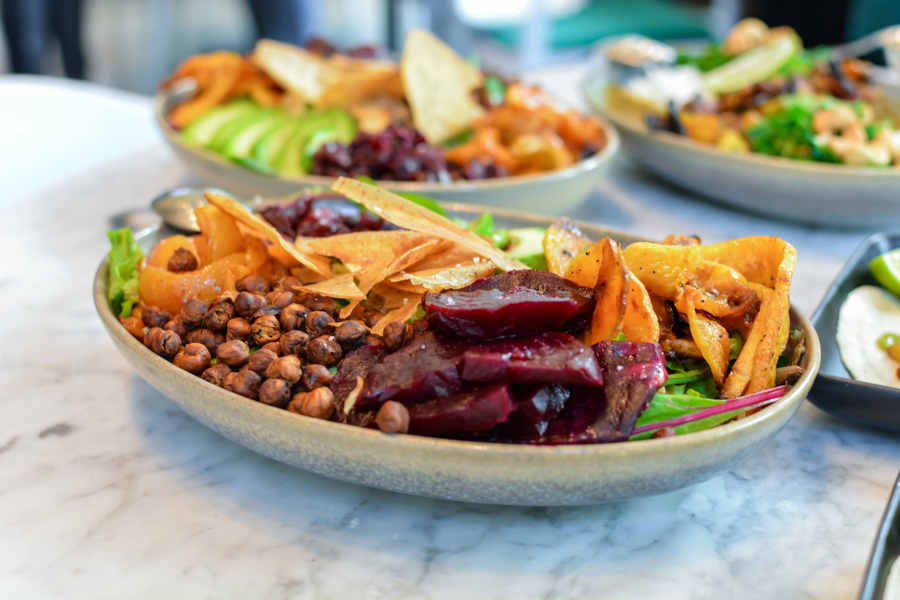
(833, 195)
(553, 192)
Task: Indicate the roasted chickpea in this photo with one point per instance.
(275, 392)
(290, 284)
(260, 360)
(233, 353)
(216, 374)
(177, 325)
(245, 304)
(220, 312)
(396, 334)
(317, 323)
(294, 342)
(322, 303)
(238, 329)
(350, 334)
(318, 404)
(192, 312)
(210, 339)
(182, 260)
(392, 417)
(281, 299)
(246, 383)
(151, 336)
(285, 367)
(193, 358)
(373, 339)
(316, 376)
(255, 284)
(293, 317)
(371, 318)
(153, 316)
(274, 347)
(324, 350)
(166, 344)
(265, 329)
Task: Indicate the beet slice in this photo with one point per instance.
(476, 409)
(545, 358)
(427, 366)
(357, 363)
(632, 373)
(512, 303)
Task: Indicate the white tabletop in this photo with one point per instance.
(108, 490)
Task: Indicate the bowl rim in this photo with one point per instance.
(585, 165)
(416, 443)
(596, 83)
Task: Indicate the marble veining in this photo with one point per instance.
(107, 490)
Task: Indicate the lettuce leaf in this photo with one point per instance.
(124, 258)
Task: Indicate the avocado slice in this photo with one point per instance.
(202, 131)
(235, 127)
(241, 143)
(527, 245)
(269, 146)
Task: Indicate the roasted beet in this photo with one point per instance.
(537, 406)
(355, 364)
(544, 358)
(475, 409)
(512, 303)
(429, 366)
(632, 373)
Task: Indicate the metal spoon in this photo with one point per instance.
(176, 206)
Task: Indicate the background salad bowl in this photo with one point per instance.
(466, 471)
(818, 193)
(553, 192)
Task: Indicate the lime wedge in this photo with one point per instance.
(886, 270)
(752, 66)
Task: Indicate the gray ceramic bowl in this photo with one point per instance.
(556, 192)
(806, 192)
(466, 471)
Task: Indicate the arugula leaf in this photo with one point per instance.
(123, 274)
(459, 139)
(709, 59)
(494, 90)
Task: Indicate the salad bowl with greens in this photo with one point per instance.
(760, 123)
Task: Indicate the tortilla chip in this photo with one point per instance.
(563, 242)
(403, 314)
(611, 290)
(641, 323)
(448, 278)
(438, 84)
(408, 215)
(389, 296)
(295, 69)
(261, 226)
(341, 286)
(362, 248)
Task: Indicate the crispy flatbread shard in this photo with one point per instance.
(402, 313)
(341, 286)
(711, 338)
(408, 215)
(362, 248)
(438, 85)
(295, 69)
(261, 226)
(448, 278)
(389, 296)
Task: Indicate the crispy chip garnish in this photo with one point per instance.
(711, 338)
(341, 286)
(389, 296)
(262, 227)
(295, 69)
(438, 85)
(406, 214)
(448, 278)
(362, 248)
(641, 323)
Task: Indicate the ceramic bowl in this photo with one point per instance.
(465, 471)
(554, 192)
(793, 190)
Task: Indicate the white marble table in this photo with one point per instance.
(107, 490)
